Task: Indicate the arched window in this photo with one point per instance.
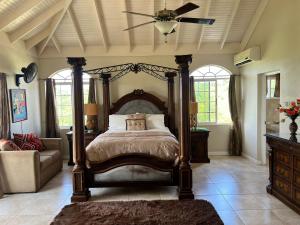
(63, 91)
(211, 85)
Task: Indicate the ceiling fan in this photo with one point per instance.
(166, 20)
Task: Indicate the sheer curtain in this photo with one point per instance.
(52, 128)
(4, 108)
(235, 144)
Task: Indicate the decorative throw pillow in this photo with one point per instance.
(137, 116)
(135, 124)
(28, 142)
(8, 145)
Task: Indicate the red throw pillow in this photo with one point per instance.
(38, 144)
(28, 142)
(27, 146)
(8, 145)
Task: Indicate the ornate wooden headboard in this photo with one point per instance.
(140, 101)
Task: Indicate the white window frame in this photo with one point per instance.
(69, 83)
(215, 79)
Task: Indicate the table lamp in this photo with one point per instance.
(193, 114)
(91, 111)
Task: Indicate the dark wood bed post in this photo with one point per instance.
(171, 100)
(106, 99)
(185, 171)
(80, 189)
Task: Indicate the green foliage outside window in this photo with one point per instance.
(211, 85)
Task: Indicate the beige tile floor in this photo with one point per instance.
(234, 185)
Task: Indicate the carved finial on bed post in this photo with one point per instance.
(171, 100)
(80, 190)
(106, 99)
(185, 172)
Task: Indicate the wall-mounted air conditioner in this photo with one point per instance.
(247, 56)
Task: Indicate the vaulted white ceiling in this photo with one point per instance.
(95, 27)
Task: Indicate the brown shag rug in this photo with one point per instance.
(172, 212)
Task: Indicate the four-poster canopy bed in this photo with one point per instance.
(84, 173)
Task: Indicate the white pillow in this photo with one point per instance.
(117, 122)
(155, 121)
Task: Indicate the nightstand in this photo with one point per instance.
(199, 149)
(88, 137)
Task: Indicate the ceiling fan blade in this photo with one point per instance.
(139, 25)
(195, 20)
(140, 14)
(173, 31)
(185, 8)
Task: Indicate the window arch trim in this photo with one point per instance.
(211, 72)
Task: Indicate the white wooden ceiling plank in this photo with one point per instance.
(207, 9)
(33, 41)
(5, 20)
(101, 26)
(259, 11)
(55, 24)
(127, 24)
(37, 21)
(56, 44)
(233, 15)
(178, 29)
(77, 29)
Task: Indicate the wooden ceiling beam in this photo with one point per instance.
(230, 22)
(55, 24)
(206, 14)
(33, 41)
(22, 8)
(127, 24)
(178, 29)
(77, 28)
(56, 44)
(153, 27)
(35, 22)
(259, 11)
(101, 26)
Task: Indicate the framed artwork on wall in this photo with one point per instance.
(18, 105)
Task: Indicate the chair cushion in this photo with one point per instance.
(49, 157)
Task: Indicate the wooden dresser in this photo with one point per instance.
(284, 169)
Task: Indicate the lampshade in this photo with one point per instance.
(91, 109)
(193, 108)
(165, 27)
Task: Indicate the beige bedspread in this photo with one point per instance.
(159, 143)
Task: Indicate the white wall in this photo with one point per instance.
(12, 59)
(218, 141)
(278, 34)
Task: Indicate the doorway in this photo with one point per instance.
(272, 103)
(269, 102)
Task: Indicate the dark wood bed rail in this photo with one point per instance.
(82, 175)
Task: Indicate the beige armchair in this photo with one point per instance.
(28, 171)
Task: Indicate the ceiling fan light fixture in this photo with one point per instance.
(165, 27)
